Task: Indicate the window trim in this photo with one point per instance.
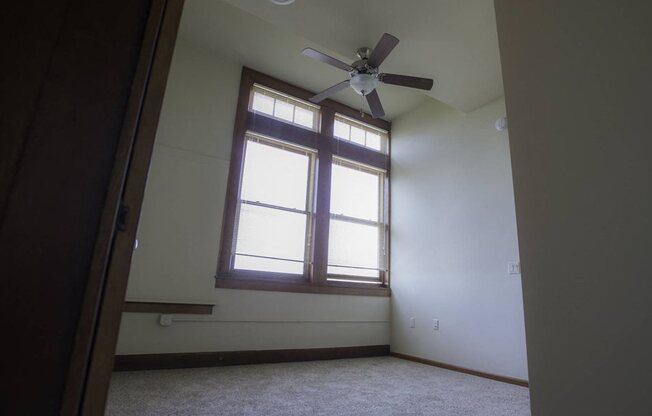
(327, 146)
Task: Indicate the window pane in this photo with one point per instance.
(373, 141)
(275, 176)
(304, 117)
(267, 265)
(341, 130)
(263, 103)
(284, 111)
(352, 244)
(357, 135)
(354, 193)
(271, 232)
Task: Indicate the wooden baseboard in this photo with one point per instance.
(168, 308)
(504, 379)
(224, 358)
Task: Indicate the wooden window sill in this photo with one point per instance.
(299, 287)
(168, 308)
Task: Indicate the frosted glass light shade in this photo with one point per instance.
(363, 84)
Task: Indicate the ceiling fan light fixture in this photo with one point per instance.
(363, 84)
(282, 2)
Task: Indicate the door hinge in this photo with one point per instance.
(121, 223)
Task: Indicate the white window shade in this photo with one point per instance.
(355, 192)
(275, 175)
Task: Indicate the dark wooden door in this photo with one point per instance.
(73, 83)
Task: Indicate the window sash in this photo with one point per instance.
(308, 211)
(382, 185)
(380, 224)
(382, 250)
(307, 256)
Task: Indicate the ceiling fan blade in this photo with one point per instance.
(374, 104)
(385, 45)
(311, 53)
(329, 91)
(406, 81)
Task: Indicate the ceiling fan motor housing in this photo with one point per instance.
(364, 52)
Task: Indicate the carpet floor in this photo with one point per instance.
(361, 386)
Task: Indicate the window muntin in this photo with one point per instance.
(359, 133)
(275, 210)
(357, 244)
(283, 107)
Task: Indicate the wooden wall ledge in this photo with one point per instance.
(168, 308)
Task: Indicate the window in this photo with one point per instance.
(360, 133)
(307, 200)
(283, 107)
(356, 248)
(274, 213)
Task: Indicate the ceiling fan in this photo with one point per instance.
(365, 76)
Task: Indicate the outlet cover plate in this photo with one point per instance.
(514, 267)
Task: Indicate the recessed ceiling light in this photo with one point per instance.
(282, 2)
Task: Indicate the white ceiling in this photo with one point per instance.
(452, 41)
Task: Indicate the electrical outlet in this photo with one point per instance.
(435, 324)
(412, 322)
(514, 267)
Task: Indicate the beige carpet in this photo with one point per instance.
(362, 386)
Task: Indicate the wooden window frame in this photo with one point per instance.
(326, 146)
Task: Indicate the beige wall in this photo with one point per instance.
(578, 84)
(179, 235)
(453, 233)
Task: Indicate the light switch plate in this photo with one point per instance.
(514, 267)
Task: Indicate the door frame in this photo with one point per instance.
(91, 364)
